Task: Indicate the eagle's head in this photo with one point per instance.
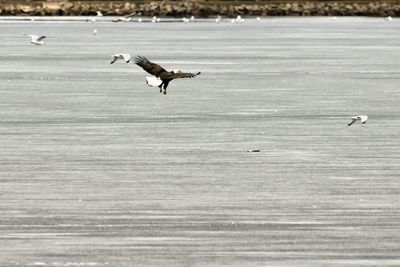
(177, 71)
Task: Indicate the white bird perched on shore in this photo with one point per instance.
(258, 18)
(139, 20)
(185, 20)
(388, 18)
(361, 118)
(37, 40)
(99, 14)
(125, 57)
(192, 18)
(218, 19)
(239, 19)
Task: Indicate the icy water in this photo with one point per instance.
(98, 169)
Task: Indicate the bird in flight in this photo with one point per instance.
(37, 40)
(127, 18)
(123, 19)
(363, 119)
(161, 73)
(125, 57)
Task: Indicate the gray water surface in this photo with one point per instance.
(98, 169)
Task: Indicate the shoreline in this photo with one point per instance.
(199, 9)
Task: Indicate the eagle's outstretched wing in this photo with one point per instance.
(180, 75)
(150, 67)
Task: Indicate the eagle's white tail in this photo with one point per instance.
(153, 81)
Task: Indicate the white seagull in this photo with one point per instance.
(123, 19)
(239, 19)
(361, 118)
(253, 150)
(125, 57)
(37, 40)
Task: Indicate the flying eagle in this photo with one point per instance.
(161, 73)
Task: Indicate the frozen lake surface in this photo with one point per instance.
(98, 169)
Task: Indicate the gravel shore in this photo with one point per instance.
(199, 9)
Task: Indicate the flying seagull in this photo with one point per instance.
(253, 150)
(125, 57)
(363, 119)
(123, 19)
(161, 73)
(37, 40)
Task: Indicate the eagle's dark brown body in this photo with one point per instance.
(160, 72)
